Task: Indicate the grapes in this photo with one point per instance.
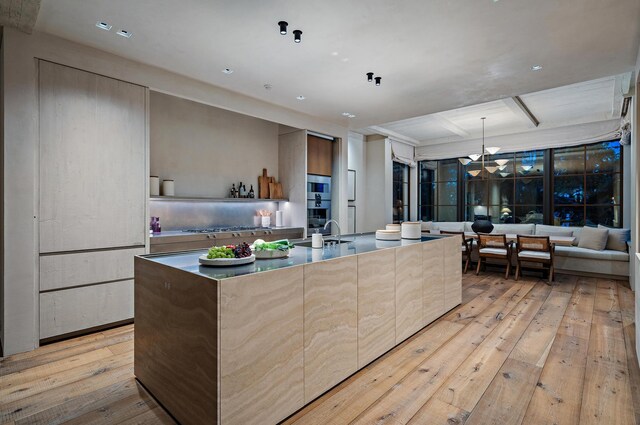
(229, 251)
(242, 250)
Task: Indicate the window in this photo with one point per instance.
(438, 190)
(513, 194)
(587, 185)
(400, 192)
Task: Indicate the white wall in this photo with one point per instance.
(378, 202)
(206, 149)
(20, 320)
(357, 162)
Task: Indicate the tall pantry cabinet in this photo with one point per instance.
(92, 197)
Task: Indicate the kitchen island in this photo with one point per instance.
(254, 343)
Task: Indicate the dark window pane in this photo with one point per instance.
(529, 191)
(426, 213)
(568, 216)
(477, 212)
(603, 189)
(427, 175)
(501, 192)
(603, 157)
(529, 163)
(529, 214)
(607, 216)
(448, 193)
(400, 172)
(447, 213)
(568, 190)
(502, 213)
(568, 161)
(427, 193)
(477, 192)
(448, 170)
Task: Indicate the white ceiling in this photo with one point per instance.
(590, 101)
(432, 55)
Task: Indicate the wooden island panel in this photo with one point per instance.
(452, 273)
(433, 281)
(330, 324)
(261, 346)
(376, 304)
(409, 282)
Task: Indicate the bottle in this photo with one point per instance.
(242, 191)
(252, 194)
(232, 192)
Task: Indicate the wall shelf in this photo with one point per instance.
(198, 199)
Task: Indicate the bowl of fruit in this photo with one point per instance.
(228, 255)
(275, 249)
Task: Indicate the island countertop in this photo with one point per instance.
(300, 255)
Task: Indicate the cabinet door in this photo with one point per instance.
(408, 291)
(433, 280)
(319, 156)
(330, 324)
(376, 305)
(92, 160)
(452, 272)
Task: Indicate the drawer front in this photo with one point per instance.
(84, 268)
(75, 309)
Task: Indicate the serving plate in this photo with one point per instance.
(225, 262)
(271, 253)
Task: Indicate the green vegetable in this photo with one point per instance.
(220, 252)
(281, 245)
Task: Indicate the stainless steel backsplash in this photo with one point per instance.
(180, 215)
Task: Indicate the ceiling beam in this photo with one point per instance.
(393, 134)
(520, 109)
(449, 125)
(20, 14)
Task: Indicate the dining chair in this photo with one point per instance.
(494, 246)
(536, 249)
(466, 247)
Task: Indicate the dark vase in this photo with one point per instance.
(482, 226)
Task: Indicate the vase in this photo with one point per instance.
(482, 226)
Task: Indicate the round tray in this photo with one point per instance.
(225, 262)
(271, 253)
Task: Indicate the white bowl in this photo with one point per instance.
(393, 227)
(411, 230)
(388, 235)
(271, 253)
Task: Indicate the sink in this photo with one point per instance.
(326, 242)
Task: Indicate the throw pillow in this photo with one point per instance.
(593, 238)
(617, 239)
(559, 232)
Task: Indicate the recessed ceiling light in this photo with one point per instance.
(334, 53)
(125, 33)
(301, 97)
(351, 116)
(268, 86)
(536, 67)
(227, 71)
(345, 114)
(103, 25)
(345, 59)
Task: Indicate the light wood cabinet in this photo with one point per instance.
(376, 304)
(261, 346)
(330, 324)
(92, 160)
(409, 281)
(433, 280)
(452, 273)
(319, 156)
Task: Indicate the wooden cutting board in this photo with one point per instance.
(263, 185)
(275, 191)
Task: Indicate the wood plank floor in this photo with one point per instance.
(512, 353)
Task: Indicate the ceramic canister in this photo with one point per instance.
(154, 186)
(168, 188)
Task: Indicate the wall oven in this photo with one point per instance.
(318, 203)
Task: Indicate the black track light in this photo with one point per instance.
(378, 79)
(297, 36)
(369, 76)
(283, 27)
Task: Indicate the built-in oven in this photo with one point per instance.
(318, 203)
(318, 187)
(318, 214)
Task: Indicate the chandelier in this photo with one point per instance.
(501, 164)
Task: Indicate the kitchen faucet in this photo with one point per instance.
(337, 225)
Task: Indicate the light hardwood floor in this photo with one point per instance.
(512, 353)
